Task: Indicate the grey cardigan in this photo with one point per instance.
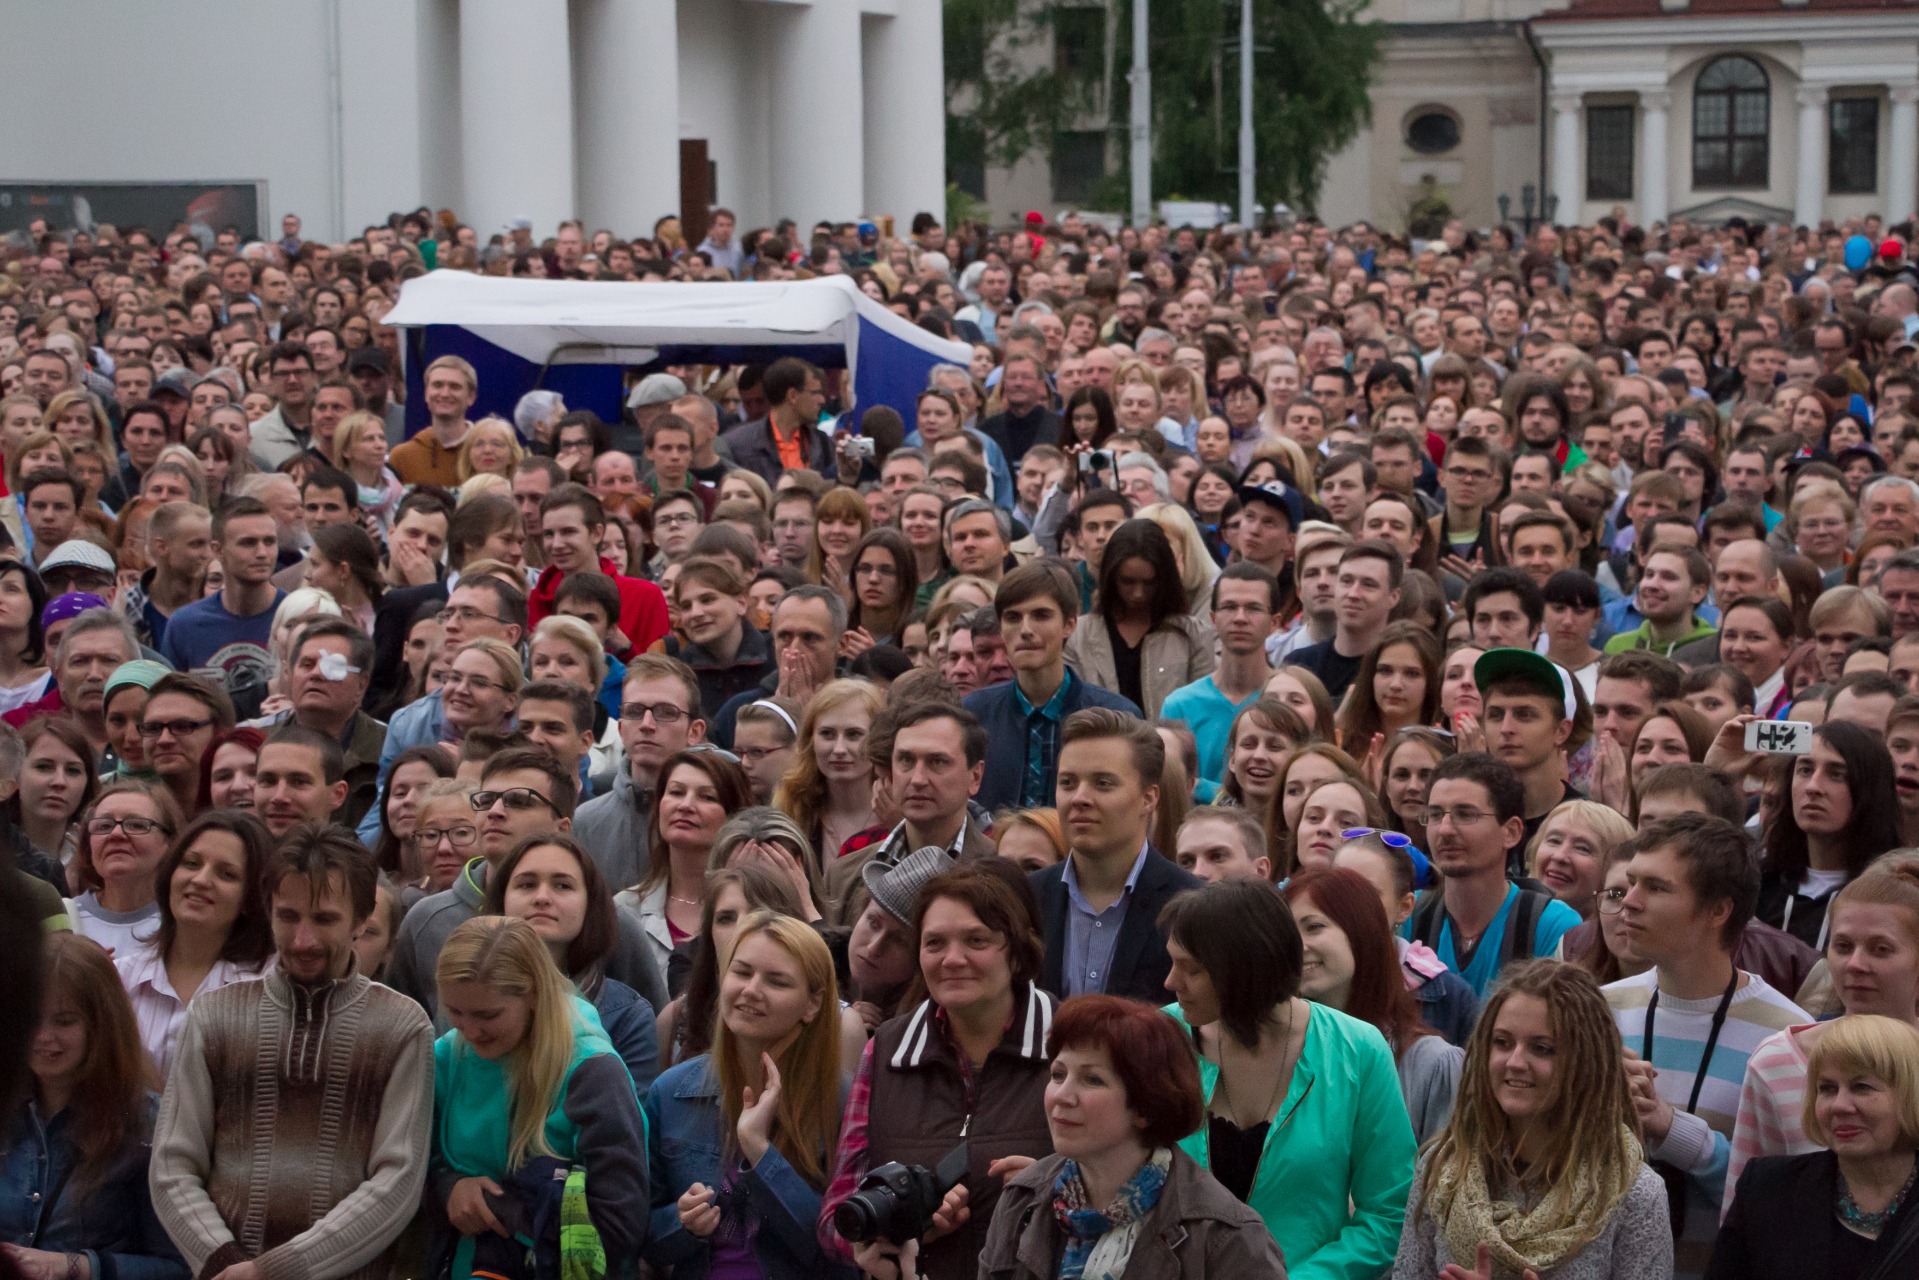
(1428, 1078)
(1177, 652)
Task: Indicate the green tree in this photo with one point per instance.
(1312, 68)
(1314, 62)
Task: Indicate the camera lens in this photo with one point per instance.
(858, 1219)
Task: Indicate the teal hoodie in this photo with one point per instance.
(1338, 1161)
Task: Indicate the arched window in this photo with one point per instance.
(1731, 111)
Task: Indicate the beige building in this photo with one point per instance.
(1773, 109)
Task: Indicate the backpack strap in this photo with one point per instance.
(1521, 926)
(1429, 918)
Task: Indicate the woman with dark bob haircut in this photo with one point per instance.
(1121, 1092)
(1140, 642)
(966, 1064)
(1304, 1118)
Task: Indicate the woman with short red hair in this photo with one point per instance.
(1123, 1090)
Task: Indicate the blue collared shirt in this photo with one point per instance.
(1042, 743)
(1092, 936)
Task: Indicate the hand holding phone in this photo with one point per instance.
(1779, 737)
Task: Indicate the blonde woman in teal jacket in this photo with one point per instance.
(1305, 1121)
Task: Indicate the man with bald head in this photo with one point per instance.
(710, 463)
(1100, 367)
(1746, 567)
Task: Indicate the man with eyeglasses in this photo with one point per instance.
(286, 430)
(1471, 480)
(659, 715)
(1245, 609)
(678, 517)
(1479, 920)
(524, 792)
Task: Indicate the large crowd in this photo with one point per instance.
(1311, 754)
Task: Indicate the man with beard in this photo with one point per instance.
(295, 1130)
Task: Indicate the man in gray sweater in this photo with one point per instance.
(506, 816)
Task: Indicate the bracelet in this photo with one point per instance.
(73, 1266)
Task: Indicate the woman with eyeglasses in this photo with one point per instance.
(481, 689)
(1352, 965)
(446, 835)
(182, 715)
(214, 926)
(698, 789)
(122, 841)
(1304, 1117)
(885, 580)
(550, 882)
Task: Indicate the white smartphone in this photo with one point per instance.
(1779, 737)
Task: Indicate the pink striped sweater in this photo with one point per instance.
(1770, 1102)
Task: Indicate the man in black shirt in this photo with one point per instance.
(1026, 421)
(1367, 590)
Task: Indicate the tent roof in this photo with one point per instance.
(595, 322)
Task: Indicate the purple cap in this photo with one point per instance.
(70, 605)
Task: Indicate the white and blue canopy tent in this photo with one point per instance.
(580, 337)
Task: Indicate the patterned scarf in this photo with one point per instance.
(1098, 1244)
(1569, 1218)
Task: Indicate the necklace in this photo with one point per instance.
(1871, 1224)
(1285, 1052)
(689, 902)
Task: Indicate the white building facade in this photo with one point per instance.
(347, 110)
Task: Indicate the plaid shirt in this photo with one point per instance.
(849, 1163)
(1042, 743)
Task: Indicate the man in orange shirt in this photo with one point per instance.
(788, 438)
(432, 456)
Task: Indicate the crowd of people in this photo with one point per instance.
(1311, 754)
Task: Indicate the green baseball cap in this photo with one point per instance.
(1535, 668)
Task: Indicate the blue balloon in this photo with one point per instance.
(1858, 253)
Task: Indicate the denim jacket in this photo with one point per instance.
(683, 1124)
(112, 1222)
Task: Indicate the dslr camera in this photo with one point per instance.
(896, 1202)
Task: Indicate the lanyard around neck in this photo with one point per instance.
(1712, 1036)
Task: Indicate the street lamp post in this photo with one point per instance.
(1142, 121)
(1246, 161)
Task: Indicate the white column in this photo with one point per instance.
(629, 122)
(1567, 113)
(1809, 200)
(1653, 106)
(905, 108)
(818, 125)
(516, 113)
(1902, 199)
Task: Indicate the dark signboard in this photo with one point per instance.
(207, 207)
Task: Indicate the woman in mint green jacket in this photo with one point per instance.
(1304, 1117)
(527, 1075)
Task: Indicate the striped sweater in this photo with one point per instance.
(1770, 1102)
(294, 1130)
(1699, 1144)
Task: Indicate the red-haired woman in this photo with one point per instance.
(1352, 966)
(1122, 1091)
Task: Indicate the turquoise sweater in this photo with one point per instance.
(1338, 1162)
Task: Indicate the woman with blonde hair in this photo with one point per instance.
(1540, 1169)
(740, 1140)
(360, 450)
(525, 1085)
(77, 418)
(1568, 854)
(490, 447)
(767, 836)
(42, 449)
(828, 789)
(482, 687)
(746, 486)
(1033, 838)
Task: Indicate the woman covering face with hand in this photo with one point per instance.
(740, 1139)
